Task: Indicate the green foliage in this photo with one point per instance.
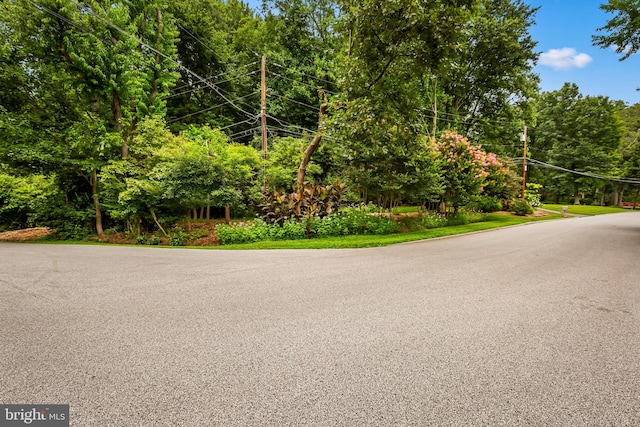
(487, 204)
(178, 237)
(579, 133)
(347, 222)
(532, 194)
(623, 29)
(521, 207)
(284, 159)
(466, 168)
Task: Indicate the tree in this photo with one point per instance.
(94, 71)
(487, 90)
(623, 29)
(578, 133)
(466, 168)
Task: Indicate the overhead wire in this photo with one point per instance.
(215, 83)
(539, 163)
(293, 100)
(301, 82)
(153, 49)
(304, 74)
(204, 110)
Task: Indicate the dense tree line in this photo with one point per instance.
(132, 114)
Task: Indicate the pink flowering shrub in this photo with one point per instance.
(468, 170)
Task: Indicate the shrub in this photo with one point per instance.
(154, 240)
(178, 237)
(521, 207)
(487, 204)
(458, 218)
(308, 201)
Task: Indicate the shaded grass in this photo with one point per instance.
(585, 209)
(369, 241)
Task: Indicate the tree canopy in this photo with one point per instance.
(132, 114)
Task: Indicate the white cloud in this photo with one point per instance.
(564, 59)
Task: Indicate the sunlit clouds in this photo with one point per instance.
(564, 59)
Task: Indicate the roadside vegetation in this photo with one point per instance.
(586, 210)
(144, 122)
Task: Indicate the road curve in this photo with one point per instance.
(530, 325)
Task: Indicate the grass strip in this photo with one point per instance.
(585, 209)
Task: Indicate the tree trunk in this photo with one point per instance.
(96, 202)
(155, 219)
(227, 214)
(576, 194)
(302, 170)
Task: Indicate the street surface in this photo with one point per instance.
(530, 325)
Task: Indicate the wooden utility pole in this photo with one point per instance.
(523, 137)
(263, 97)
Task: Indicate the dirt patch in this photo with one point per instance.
(200, 234)
(25, 234)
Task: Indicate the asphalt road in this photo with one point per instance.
(531, 325)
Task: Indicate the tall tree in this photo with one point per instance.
(98, 67)
(580, 133)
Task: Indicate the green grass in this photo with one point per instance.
(368, 241)
(585, 210)
(406, 209)
(346, 242)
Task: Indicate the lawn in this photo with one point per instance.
(368, 241)
(585, 209)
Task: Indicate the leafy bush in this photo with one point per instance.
(521, 207)
(140, 240)
(178, 237)
(154, 240)
(351, 221)
(198, 233)
(308, 201)
(487, 204)
(532, 194)
(458, 218)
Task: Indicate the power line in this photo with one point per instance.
(306, 75)
(215, 83)
(293, 100)
(538, 163)
(220, 75)
(204, 110)
(180, 66)
(301, 82)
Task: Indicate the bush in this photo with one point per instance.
(457, 218)
(178, 237)
(154, 240)
(487, 204)
(521, 207)
(350, 221)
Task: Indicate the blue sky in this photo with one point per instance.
(563, 31)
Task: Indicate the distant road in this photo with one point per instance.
(530, 325)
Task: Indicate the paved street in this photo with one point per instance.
(530, 325)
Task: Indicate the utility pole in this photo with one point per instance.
(263, 97)
(523, 138)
